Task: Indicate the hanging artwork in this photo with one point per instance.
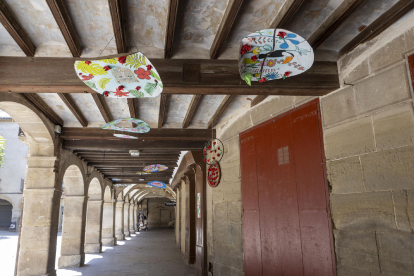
(155, 168)
(116, 179)
(213, 175)
(273, 54)
(198, 205)
(142, 127)
(125, 136)
(131, 76)
(213, 151)
(157, 184)
(143, 173)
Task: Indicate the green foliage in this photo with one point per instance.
(111, 60)
(103, 82)
(135, 61)
(2, 148)
(93, 68)
(150, 88)
(267, 48)
(155, 75)
(91, 84)
(137, 94)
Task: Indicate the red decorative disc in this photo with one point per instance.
(213, 151)
(213, 175)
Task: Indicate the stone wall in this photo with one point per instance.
(368, 138)
(155, 207)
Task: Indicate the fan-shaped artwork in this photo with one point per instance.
(213, 175)
(157, 184)
(143, 173)
(142, 127)
(273, 54)
(131, 76)
(155, 168)
(125, 136)
(213, 151)
(116, 179)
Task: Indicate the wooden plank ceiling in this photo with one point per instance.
(40, 47)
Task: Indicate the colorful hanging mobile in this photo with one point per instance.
(155, 168)
(143, 173)
(125, 136)
(213, 151)
(116, 179)
(142, 127)
(273, 54)
(131, 76)
(157, 184)
(213, 175)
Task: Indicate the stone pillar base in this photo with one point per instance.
(127, 234)
(67, 261)
(93, 248)
(132, 231)
(108, 241)
(120, 237)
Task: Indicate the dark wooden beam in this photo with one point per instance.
(115, 7)
(257, 100)
(67, 99)
(220, 110)
(343, 15)
(15, 30)
(133, 108)
(172, 18)
(61, 15)
(42, 106)
(191, 110)
(388, 18)
(163, 109)
(127, 144)
(226, 26)
(286, 13)
(147, 179)
(128, 164)
(156, 134)
(102, 106)
(218, 77)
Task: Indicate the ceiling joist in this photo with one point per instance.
(103, 107)
(191, 110)
(286, 13)
(257, 100)
(70, 103)
(172, 19)
(133, 108)
(61, 15)
(40, 104)
(117, 145)
(163, 109)
(220, 110)
(115, 8)
(15, 30)
(218, 77)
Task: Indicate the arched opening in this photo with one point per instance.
(108, 218)
(72, 245)
(5, 214)
(93, 218)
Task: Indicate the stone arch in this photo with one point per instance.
(108, 218)
(107, 194)
(93, 217)
(6, 198)
(74, 218)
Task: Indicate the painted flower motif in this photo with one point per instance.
(256, 75)
(142, 74)
(122, 60)
(88, 62)
(281, 34)
(254, 58)
(149, 67)
(271, 63)
(250, 39)
(272, 76)
(106, 93)
(245, 48)
(262, 80)
(107, 68)
(256, 51)
(287, 74)
(138, 88)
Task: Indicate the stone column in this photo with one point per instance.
(119, 220)
(131, 218)
(108, 237)
(72, 253)
(136, 217)
(126, 219)
(93, 242)
(38, 239)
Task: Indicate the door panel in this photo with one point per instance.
(286, 219)
(165, 217)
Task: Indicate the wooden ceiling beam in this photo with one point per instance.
(286, 13)
(133, 108)
(257, 100)
(342, 13)
(220, 110)
(163, 109)
(172, 19)
(128, 164)
(70, 103)
(191, 110)
(115, 8)
(72, 133)
(125, 144)
(61, 15)
(225, 27)
(388, 18)
(15, 30)
(217, 77)
(40, 104)
(103, 107)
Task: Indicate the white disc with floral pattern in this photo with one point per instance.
(131, 76)
(273, 54)
(142, 127)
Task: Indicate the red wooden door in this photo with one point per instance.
(286, 219)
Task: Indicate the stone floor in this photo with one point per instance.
(8, 249)
(147, 253)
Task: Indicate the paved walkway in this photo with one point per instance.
(8, 250)
(151, 253)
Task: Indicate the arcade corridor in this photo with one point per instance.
(151, 253)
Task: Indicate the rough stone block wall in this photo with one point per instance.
(155, 205)
(369, 146)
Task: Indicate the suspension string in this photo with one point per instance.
(274, 45)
